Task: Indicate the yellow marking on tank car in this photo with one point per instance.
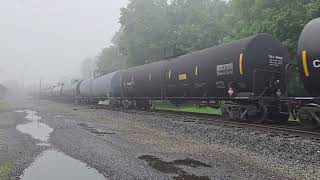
(196, 71)
(241, 63)
(182, 77)
(305, 64)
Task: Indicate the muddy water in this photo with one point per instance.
(54, 165)
(51, 164)
(173, 167)
(35, 128)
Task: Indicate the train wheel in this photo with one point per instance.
(259, 117)
(148, 105)
(308, 118)
(280, 117)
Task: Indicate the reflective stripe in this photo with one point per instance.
(241, 63)
(196, 71)
(304, 63)
(169, 74)
(182, 77)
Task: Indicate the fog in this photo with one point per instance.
(49, 39)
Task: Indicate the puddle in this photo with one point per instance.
(54, 165)
(19, 111)
(190, 163)
(189, 121)
(35, 128)
(59, 116)
(173, 167)
(43, 144)
(93, 130)
(190, 177)
(51, 164)
(272, 134)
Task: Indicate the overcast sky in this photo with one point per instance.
(50, 38)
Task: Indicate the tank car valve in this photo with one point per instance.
(279, 93)
(230, 91)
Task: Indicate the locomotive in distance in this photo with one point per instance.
(246, 78)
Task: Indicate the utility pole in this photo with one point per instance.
(40, 83)
(39, 96)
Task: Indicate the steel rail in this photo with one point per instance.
(286, 130)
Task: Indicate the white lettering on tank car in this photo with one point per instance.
(275, 60)
(316, 63)
(220, 85)
(225, 69)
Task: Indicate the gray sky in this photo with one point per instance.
(50, 38)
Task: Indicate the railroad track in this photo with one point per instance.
(289, 130)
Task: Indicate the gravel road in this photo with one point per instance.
(140, 146)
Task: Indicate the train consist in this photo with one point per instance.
(66, 91)
(247, 79)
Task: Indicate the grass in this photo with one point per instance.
(186, 107)
(292, 119)
(5, 170)
(189, 107)
(5, 106)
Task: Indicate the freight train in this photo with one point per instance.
(65, 91)
(246, 78)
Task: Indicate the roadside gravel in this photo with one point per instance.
(17, 151)
(112, 142)
(142, 146)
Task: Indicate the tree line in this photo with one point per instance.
(154, 29)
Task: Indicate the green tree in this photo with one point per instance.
(110, 60)
(283, 19)
(88, 66)
(151, 26)
(148, 27)
(144, 30)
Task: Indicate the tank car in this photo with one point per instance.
(309, 65)
(107, 85)
(100, 88)
(309, 57)
(253, 66)
(69, 89)
(56, 91)
(251, 69)
(46, 92)
(144, 83)
(85, 88)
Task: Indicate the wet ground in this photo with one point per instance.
(51, 164)
(35, 128)
(49, 140)
(54, 165)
